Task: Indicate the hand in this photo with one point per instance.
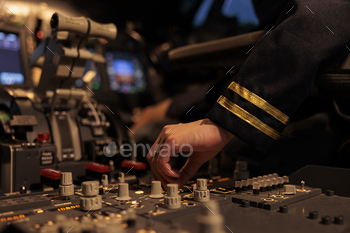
(203, 138)
(151, 113)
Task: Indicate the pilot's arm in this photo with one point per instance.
(278, 75)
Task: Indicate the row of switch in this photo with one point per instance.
(261, 183)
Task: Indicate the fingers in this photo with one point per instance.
(159, 156)
(162, 161)
(163, 169)
(160, 178)
(188, 171)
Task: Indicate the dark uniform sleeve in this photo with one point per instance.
(282, 69)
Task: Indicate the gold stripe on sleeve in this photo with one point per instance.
(247, 117)
(259, 102)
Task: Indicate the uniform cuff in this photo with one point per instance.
(249, 117)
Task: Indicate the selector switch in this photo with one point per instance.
(91, 201)
(156, 189)
(66, 178)
(90, 188)
(66, 187)
(202, 193)
(173, 199)
(123, 194)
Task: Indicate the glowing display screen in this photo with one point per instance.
(10, 59)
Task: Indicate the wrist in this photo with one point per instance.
(225, 134)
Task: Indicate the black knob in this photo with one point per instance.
(131, 222)
(313, 215)
(23, 189)
(256, 191)
(326, 220)
(284, 209)
(330, 193)
(245, 203)
(339, 219)
(261, 205)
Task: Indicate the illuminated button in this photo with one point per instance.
(97, 167)
(51, 173)
(43, 137)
